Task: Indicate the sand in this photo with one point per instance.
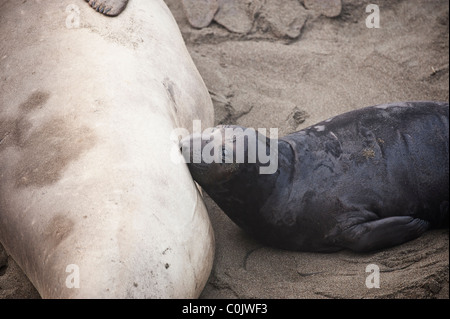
(277, 64)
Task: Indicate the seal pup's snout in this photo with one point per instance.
(185, 148)
(191, 148)
(180, 145)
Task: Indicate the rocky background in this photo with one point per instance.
(288, 64)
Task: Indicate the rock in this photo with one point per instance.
(233, 16)
(329, 8)
(300, 116)
(200, 13)
(285, 18)
(295, 118)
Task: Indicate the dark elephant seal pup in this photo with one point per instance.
(364, 180)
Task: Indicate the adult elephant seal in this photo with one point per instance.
(91, 204)
(364, 180)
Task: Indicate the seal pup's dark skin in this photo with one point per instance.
(110, 8)
(364, 180)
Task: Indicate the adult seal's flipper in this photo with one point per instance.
(110, 8)
(382, 233)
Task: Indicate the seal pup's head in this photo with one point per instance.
(230, 163)
(219, 154)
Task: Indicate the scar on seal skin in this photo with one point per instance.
(110, 8)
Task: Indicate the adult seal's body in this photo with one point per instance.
(364, 180)
(91, 204)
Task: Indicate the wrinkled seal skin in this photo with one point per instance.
(364, 180)
(86, 176)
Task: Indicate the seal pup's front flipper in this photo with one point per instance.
(381, 233)
(110, 8)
